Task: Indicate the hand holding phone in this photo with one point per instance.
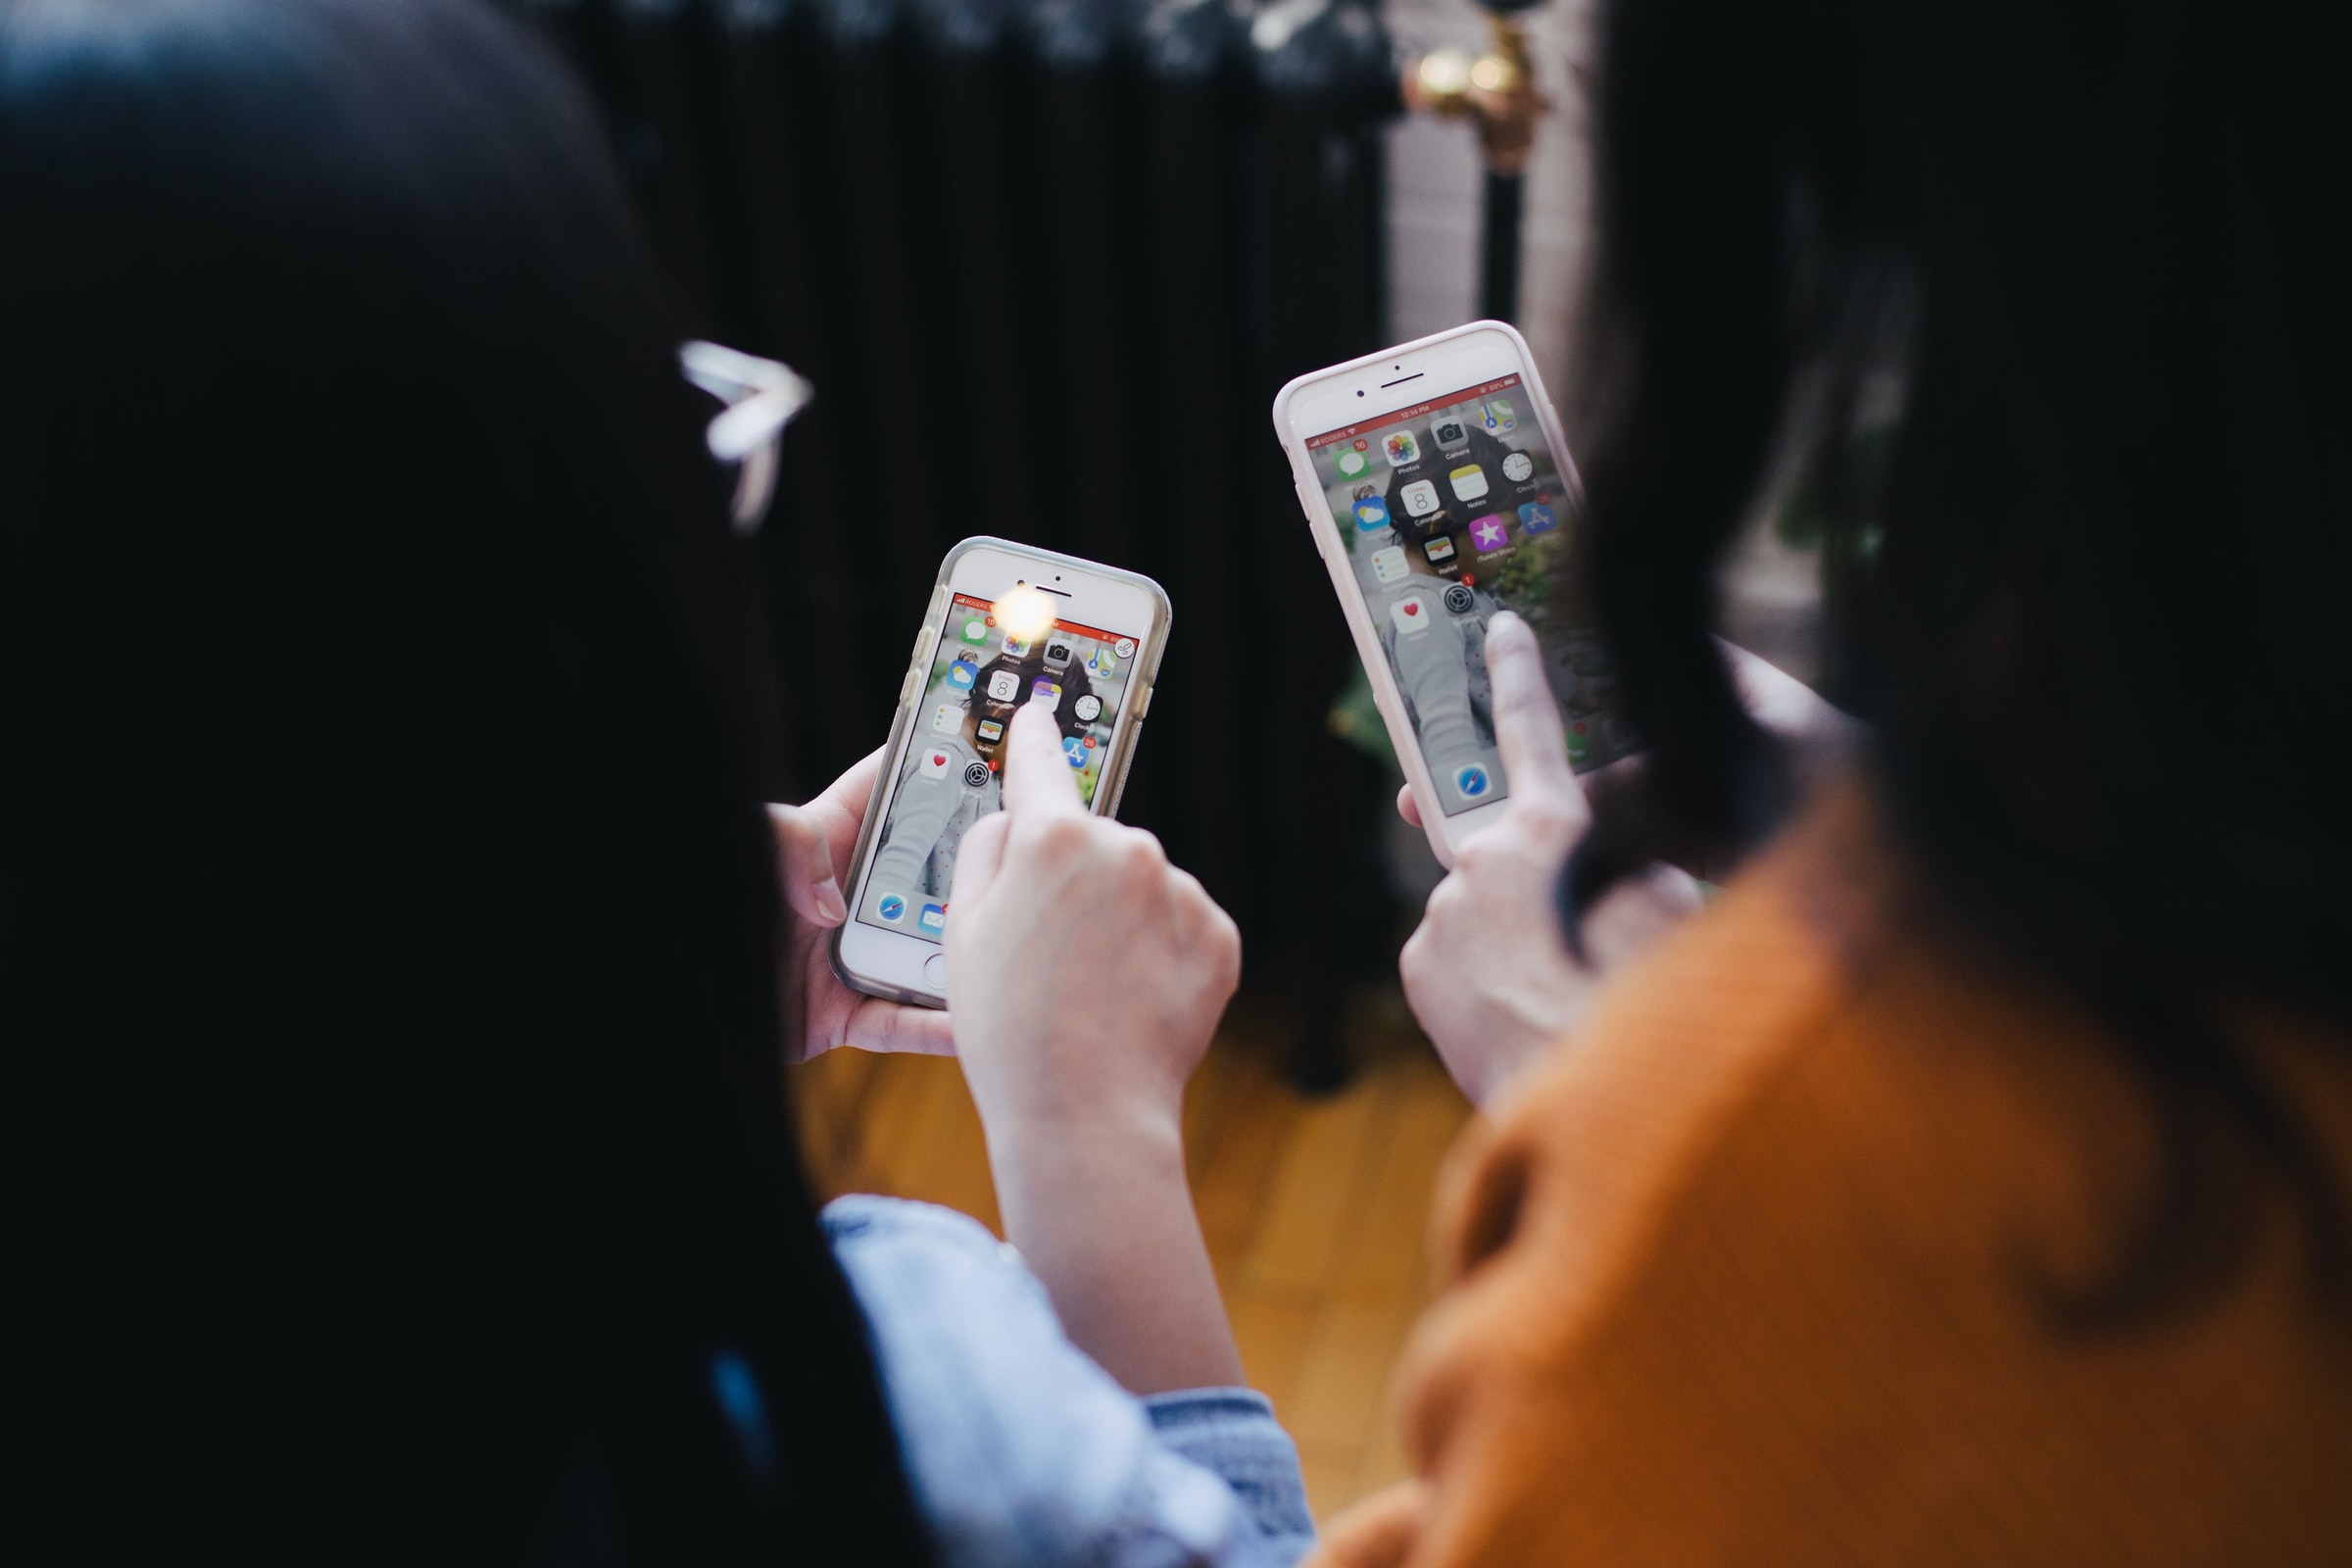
(1486, 973)
(1086, 975)
(813, 845)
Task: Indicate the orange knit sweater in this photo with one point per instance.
(1760, 1271)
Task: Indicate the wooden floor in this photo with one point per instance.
(1316, 1210)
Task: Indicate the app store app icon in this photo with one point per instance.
(1537, 517)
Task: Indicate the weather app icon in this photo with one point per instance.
(961, 675)
(1371, 512)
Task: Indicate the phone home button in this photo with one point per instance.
(935, 972)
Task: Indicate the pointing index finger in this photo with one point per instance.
(1037, 776)
(1526, 718)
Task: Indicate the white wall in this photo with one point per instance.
(1434, 189)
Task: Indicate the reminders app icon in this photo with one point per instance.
(1388, 565)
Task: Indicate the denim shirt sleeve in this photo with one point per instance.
(1020, 1448)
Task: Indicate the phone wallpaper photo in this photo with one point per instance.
(1449, 511)
(980, 676)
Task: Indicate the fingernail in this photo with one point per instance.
(1502, 618)
(830, 900)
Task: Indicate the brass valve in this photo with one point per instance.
(1497, 89)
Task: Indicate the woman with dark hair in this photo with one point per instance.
(398, 1160)
(1970, 1182)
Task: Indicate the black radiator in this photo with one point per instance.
(1046, 261)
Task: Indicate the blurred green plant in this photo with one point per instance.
(1356, 718)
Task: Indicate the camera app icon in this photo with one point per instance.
(1058, 653)
(1451, 433)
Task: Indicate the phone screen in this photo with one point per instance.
(1449, 511)
(981, 675)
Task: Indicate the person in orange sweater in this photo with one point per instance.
(1969, 1181)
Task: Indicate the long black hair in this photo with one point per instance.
(399, 1166)
(2083, 262)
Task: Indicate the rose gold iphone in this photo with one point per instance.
(1009, 625)
(1439, 489)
